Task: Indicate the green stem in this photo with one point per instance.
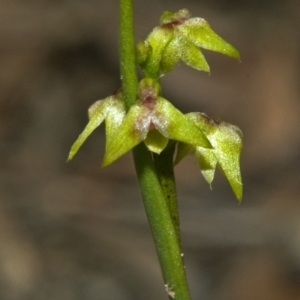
(164, 166)
(157, 210)
(127, 54)
(161, 224)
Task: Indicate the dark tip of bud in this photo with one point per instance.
(170, 19)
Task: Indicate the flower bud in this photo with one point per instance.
(179, 37)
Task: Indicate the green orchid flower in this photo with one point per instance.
(154, 120)
(179, 37)
(226, 140)
(110, 109)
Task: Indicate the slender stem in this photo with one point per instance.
(157, 210)
(127, 54)
(161, 224)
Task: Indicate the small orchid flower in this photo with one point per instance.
(154, 120)
(110, 109)
(179, 37)
(226, 140)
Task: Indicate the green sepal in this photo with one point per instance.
(155, 141)
(226, 140)
(133, 130)
(193, 56)
(199, 32)
(114, 119)
(111, 108)
(182, 48)
(171, 123)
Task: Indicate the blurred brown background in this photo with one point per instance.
(76, 231)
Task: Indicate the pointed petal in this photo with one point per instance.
(207, 163)
(170, 122)
(133, 130)
(193, 56)
(227, 141)
(97, 115)
(155, 141)
(198, 31)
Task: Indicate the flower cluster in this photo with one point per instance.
(154, 120)
(151, 119)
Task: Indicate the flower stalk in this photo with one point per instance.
(157, 210)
